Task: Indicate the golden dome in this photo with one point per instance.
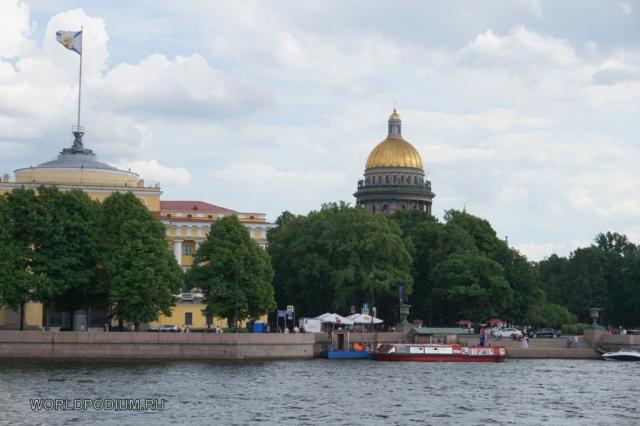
(394, 153)
(394, 116)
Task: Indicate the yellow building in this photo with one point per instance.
(187, 222)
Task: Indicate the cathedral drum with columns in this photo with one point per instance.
(394, 177)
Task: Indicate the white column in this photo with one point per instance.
(177, 251)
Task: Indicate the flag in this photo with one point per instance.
(72, 40)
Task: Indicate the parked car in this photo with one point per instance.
(510, 332)
(168, 328)
(546, 332)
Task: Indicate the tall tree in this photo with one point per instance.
(339, 257)
(65, 249)
(138, 272)
(17, 222)
(233, 272)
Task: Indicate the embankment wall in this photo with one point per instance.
(101, 345)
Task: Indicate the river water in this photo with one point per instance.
(323, 392)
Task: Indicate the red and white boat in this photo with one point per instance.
(437, 353)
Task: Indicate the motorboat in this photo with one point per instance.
(622, 355)
(438, 353)
(348, 355)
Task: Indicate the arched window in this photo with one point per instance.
(394, 178)
(402, 179)
(387, 178)
(373, 209)
(385, 208)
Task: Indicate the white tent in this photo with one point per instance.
(364, 319)
(334, 319)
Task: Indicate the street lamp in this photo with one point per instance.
(372, 313)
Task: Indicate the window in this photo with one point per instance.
(386, 178)
(186, 249)
(188, 318)
(169, 215)
(394, 178)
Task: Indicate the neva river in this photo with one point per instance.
(322, 392)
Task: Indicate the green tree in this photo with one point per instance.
(17, 282)
(138, 273)
(65, 251)
(339, 257)
(468, 285)
(233, 272)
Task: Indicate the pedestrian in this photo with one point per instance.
(525, 343)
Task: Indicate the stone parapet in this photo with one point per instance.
(141, 345)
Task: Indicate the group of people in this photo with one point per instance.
(615, 331)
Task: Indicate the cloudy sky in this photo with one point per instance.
(527, 111)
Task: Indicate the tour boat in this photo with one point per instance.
(438, 353)
(622, 355)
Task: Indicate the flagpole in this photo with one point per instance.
(80, 80)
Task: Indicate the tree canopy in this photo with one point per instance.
(233, 272)
(140, 276)
(339, 257)
(64, 249)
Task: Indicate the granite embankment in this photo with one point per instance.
(100, 345)
(540, 348)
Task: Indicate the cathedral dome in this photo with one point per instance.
(394, 153)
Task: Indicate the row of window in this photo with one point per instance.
(377, 180)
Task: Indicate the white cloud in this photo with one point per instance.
(539, 251)
(626, 8)
(154, 172)
(15, 28)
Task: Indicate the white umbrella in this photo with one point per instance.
(335, 319)
(323, 316)
(364, 319)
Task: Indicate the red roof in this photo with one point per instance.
(192, 206)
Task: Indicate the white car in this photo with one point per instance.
(510, 332)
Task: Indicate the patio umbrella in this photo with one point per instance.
(464, 322)
(323, 316)
(335, 319)
(495, 321)
(364, 319)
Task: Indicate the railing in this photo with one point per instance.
(376, 186)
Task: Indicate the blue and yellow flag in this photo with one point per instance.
(72, 40)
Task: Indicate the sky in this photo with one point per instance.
(525, 112)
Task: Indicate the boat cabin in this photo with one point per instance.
(444, 335)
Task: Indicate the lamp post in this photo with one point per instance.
(595, 314)
(373, 311)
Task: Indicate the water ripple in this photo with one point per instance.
(521, 392)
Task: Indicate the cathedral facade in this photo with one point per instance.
(394, 177)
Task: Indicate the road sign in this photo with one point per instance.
(290, 308)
